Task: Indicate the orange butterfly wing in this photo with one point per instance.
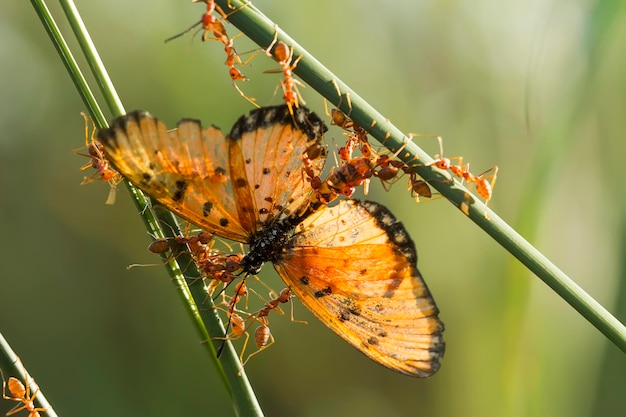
(269, 144)
(184, 169)
(221, 184)
(354, 267)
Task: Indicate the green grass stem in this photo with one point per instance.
(262, 30)
(12, 365)
(206, 320)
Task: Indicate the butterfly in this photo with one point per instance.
(353, 264)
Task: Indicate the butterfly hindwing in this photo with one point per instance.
(354, 267)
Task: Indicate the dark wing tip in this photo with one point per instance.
(394, 229)
(405, 245)
(108, 135)
(190, 120)
(133, 116)
(302, 118)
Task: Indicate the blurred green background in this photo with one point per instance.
(538, 88)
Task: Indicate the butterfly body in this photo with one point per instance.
(268, 245)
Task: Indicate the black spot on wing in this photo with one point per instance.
(323, 293)
(346, 313)
(206, 208)
(372, 341)
(181, 187)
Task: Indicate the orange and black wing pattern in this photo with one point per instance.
(266, 151)
(354, 267)
(229, 185)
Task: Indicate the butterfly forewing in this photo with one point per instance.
(354, 267)
(272, 142)
(185, 169)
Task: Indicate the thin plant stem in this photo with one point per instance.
(263, 31)
(12, 365)
(207, 321)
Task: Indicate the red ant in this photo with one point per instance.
(220, 268)
(214, 29)
(231, 58)
(354, 171)
(196, 244)
(357, 170)
(356, 136)
(262, 336)
(419, 187)
(309, 158)
(234, 319)
(21, 394)
(214, 264)
(98, 162)
(341, 181)
(484, 187)
(284, 56)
